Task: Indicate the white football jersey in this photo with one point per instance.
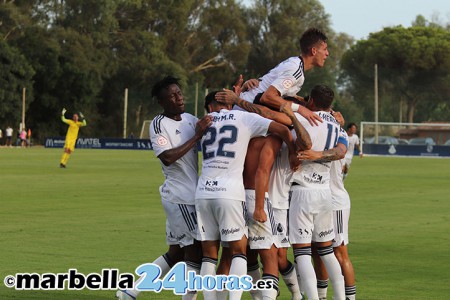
(352, 141)
(287, 77)
(280, 178)
(325, 136)
(339, 195)
(224, 148)
(181, 176)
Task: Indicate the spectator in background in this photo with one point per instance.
(29, 137)
(23, 138)
(9, 133)
(1, 134)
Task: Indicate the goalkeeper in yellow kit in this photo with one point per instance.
(71, 136)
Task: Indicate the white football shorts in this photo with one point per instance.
(260, 235)
(221, 219)
(310, 216)
(181, 223)
(341, 218)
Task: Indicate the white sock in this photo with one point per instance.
(334, 271)
(222, 295)
(350, 292)
(322, 288)
(305, 269)
(290, 279)
(209, 268)
(272, 293)
(164, 262)
(191, 266)
(238, 268)
(255, 273)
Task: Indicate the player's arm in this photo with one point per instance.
(303, 141)
(336, 153)
(267, 156)
(62, 116)
(83, 123)
(284, 133)
(358, 146)
(272, 98)
(230, 98)
(170, 156)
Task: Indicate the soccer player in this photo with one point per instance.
(174, 135)
(287, 78)
(353, 141)
(220, 196)
(310, 212)
(341, 216)
(71, 136)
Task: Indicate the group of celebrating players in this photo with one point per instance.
(271, 179)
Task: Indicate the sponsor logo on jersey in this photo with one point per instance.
(256, 238)
(211, 183)
(325, 233)
(287, 83)
(230, 231)
(162, 141)
(177, 131)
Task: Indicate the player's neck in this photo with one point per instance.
(307, 62)
(176, 117)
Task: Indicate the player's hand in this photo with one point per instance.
(202, 125)
(63, 111)
(309, 155)
(259, 215)
(361, 154)
(287, 109)
(250, 84)
(81, 115)
(338, 116)
(227, 97)
(312, 118)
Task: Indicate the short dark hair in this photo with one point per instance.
(211, 97)
(322, 96)
(351, 124)
(164, 84)
(310, 38)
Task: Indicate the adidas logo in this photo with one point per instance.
(177, 132)
(284, 240)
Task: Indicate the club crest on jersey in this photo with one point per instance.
(287, 83)
(162, 141)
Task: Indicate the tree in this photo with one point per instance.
(15, 74)
(413, 67)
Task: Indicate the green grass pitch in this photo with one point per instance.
(104, 211)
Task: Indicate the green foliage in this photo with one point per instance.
(413, 67)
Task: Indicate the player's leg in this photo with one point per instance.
(287, 269)
(321, 274)
(322, 236)
(340, 242)
(301, 225)
(254, 271)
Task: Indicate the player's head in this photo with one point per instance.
(351, 128)
(168, 93)
(313, 43)
(321, 98)
(75, 117)
(210, 101)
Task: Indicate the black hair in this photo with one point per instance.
(310, 38)
(322, 96)
(351, 124)
(211, 97)
(164, 84)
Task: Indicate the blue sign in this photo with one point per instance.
(101, 143)
(407, 150)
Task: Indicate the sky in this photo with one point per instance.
(358, 18)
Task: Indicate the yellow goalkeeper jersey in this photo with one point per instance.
(74, 127)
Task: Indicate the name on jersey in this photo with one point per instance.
(223, 118)
(328, 118)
